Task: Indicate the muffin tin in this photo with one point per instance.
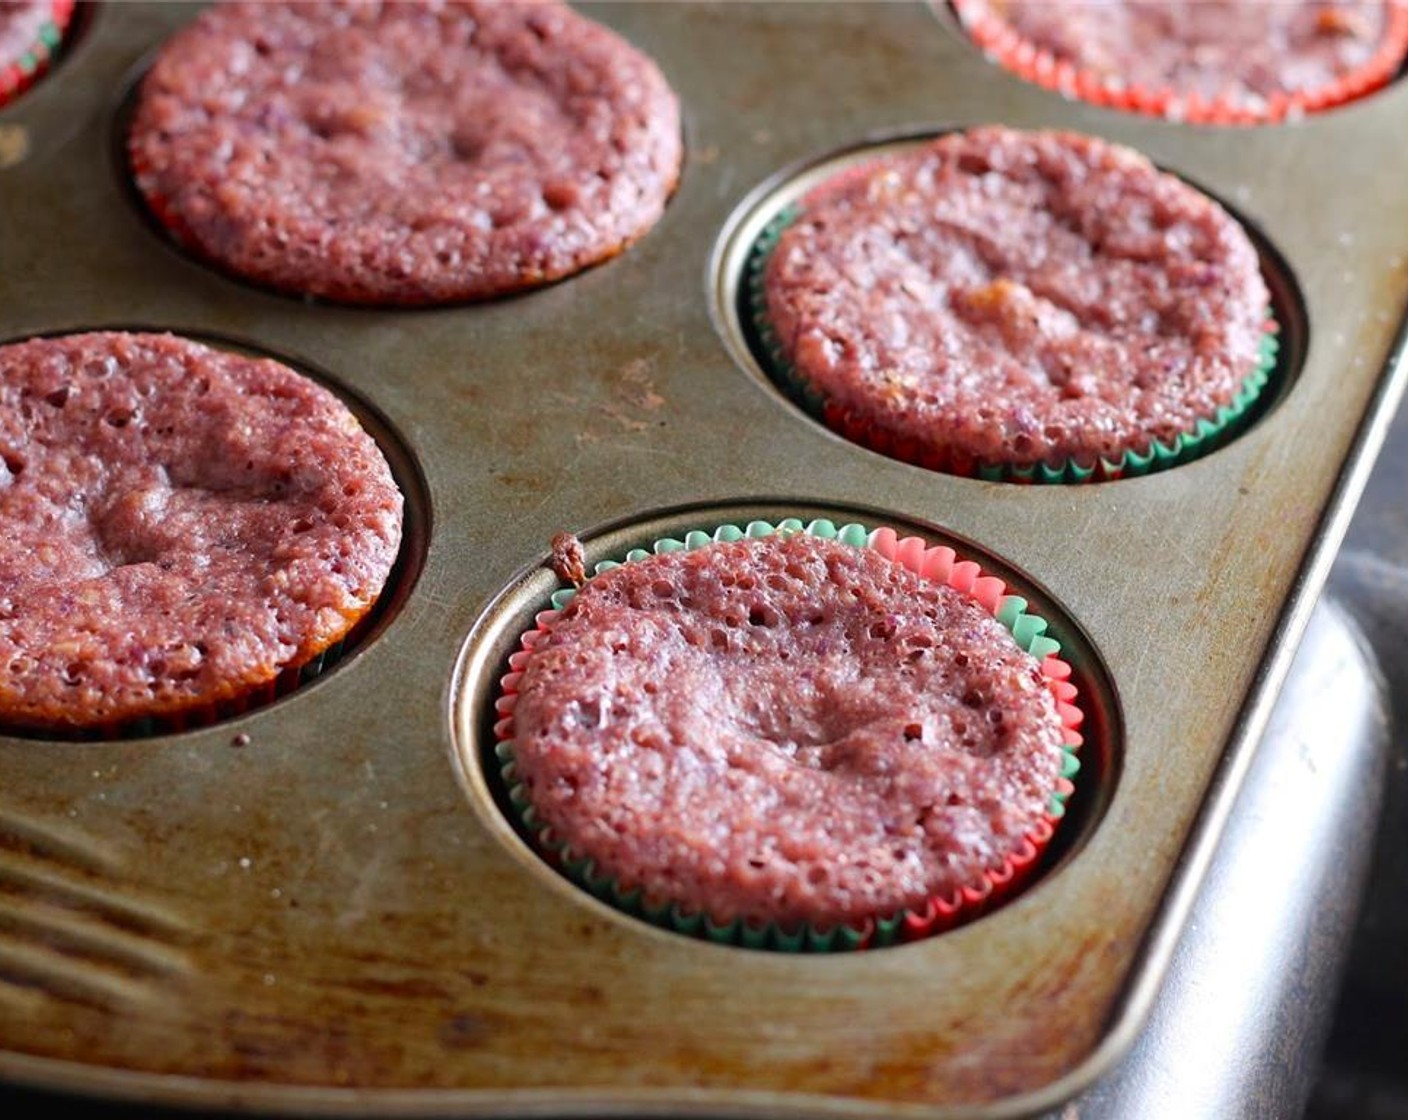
(319, 907)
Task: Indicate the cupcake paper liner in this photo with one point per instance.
(935, 562)
(18, 75)
(159, 209)
(1005, 46)
(1206, 435)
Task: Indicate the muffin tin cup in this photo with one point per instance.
(1206, 435)
(1008, 49)
(938, 563)
(18, 75)
(263, 684)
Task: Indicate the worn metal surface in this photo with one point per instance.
(332, 918)
(1240, 1022)
(1363, 1075)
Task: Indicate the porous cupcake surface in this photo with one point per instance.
(1018, 297)
(1238, 51)
(404, 153)
(21, 22)
(786, 730)
(181, 524)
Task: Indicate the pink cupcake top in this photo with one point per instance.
(1238, 51)
(404, 153)
(181, 524)
(787, 730)
(1006, 297)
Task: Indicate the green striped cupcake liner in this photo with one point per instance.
(18, 74)
(937, 562)
(1207, 435)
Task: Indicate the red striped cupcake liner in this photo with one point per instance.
(1005, 46)
(17, 75)
(935, 562)
(1205, 434)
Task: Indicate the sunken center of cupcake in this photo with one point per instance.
(116, 481)
(819, 685)
(184, 523)
(804, 711)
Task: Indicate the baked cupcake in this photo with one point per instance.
(30, 34)
(1206, 61)
(790, 737)
(403, 153)
(186, 530)
(1023, 305)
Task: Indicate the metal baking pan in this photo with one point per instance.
(334, 917)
